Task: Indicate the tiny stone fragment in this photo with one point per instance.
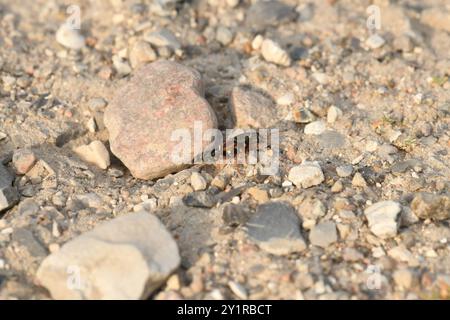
(315, 128)
(95, 153)
(252, 109)
(323, 234)
(272, 52)
(382, 217)
(431, 206)
(306, 175)
(70, 38)
(23, 160)
(198, 182)
(8, 193)
(200, 199)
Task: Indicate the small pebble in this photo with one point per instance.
(97, 104)
(141, 52)
(375, 41)
(286, 99)
(95, 153)
(122, 67)
(306, 175)
(91, 125)
(333, 114)
(337, 187)
(224, 35)
(238, 290)
(431, 206)
(315, 128)
(258, 194)
(403, 278)
(163, 38)
(359, 181)
(9, 195)
(382, 217)
(198, 182)
(23, 160)
(275, 227)
(272, 52)
(321, 77)
(323, 234)
(70, 38)
(257, 42)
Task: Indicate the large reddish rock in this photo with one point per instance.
(161, 97)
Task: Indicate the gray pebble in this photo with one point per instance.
(200, 199)
(344, 171)
(276, 229)
(264, 14)
(323, 234)
(8, 194)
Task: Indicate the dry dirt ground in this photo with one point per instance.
(385, 107)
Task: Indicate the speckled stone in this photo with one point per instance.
(162, 97)
(252, 109)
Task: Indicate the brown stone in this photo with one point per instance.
(431, 206)
(162, 97)
(252, 109)
(23, 160)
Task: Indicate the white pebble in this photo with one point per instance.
(70, 38)
(315, 128)
(95, 153)
(198, 182)
(333, 114)
(382, 218)
(286, 99)
(321, 77)
(257, 42)
(272, 52)
(375, 41)
(238, 290)
(371, 146)
(306, 175)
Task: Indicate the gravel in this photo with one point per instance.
(378, 97)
